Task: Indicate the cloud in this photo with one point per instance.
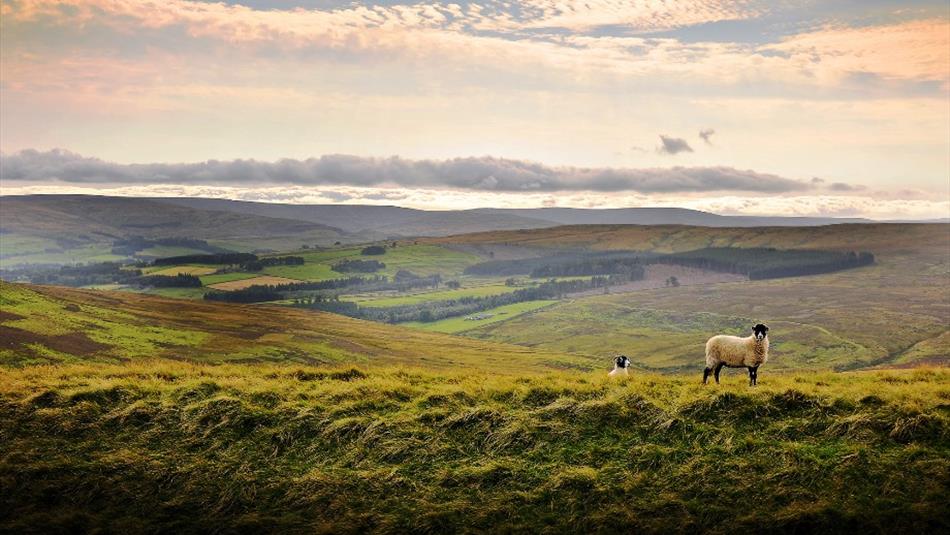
(841, 186)
(673, 145)
(920, 205)
(473, 174)
(706, 134)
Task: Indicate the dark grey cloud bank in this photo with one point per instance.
(480, 174)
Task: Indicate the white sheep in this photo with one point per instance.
(736, 352)
(621, 363)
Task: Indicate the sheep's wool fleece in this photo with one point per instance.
(736, 351)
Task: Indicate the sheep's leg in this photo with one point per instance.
(754, 375)
(706, 374)
(718, 369)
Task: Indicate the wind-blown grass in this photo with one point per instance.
(165, 446)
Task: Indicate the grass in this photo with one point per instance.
(187, 270)
(419, 259)
(159, 446)
(56, 325)
(208, 280)
(460, 324)
(263, 280)
(893, 313)
(165, 251)
(89, 253)
(474, 291)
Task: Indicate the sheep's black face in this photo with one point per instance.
(760, 331)
(622, 361)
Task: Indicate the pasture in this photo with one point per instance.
(55, 325)
(239, 284)
(491, 316)
(160, 446)
(187, 270)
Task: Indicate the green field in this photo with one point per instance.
(208, 280)
(459, 324)
(88, 253)
(439, 295)
(419, 259)
(159, 446)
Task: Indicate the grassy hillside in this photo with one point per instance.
(71, 228)
(878, 238)
(53, 324)
(893, 313)
(175, 447)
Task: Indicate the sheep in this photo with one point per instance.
(735, 352)
(621, 363)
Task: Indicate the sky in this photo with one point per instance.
(783, 107)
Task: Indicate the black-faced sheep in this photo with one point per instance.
(736, 352)
(621, 363)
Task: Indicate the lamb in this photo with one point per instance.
(735, 352)
(621, 363)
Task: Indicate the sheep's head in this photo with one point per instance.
(622, 361)
(760, 331)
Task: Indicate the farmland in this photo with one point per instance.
(891, 313)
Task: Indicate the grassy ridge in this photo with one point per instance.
(164, 446)
(47, 324)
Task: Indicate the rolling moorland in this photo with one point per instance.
(894, 313)
(65, 229)
(152, 409)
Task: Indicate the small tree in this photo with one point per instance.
(455, 285)
(373, 250)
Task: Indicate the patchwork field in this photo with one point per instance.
(419, 259)
(159, 446)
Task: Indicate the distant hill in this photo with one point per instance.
(876, 237)
(395, 221)
(376, 221)
(664, 216)
(53, 229)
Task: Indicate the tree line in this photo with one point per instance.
(358, 266)
(631, 266)
(768, 263)
(217, 258)
(377, 283)
(261, 263)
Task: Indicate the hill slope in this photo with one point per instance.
(376, 221)
(162, 447)
(894, 313)
(53, 324)
(396, 221)
(37, 228)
